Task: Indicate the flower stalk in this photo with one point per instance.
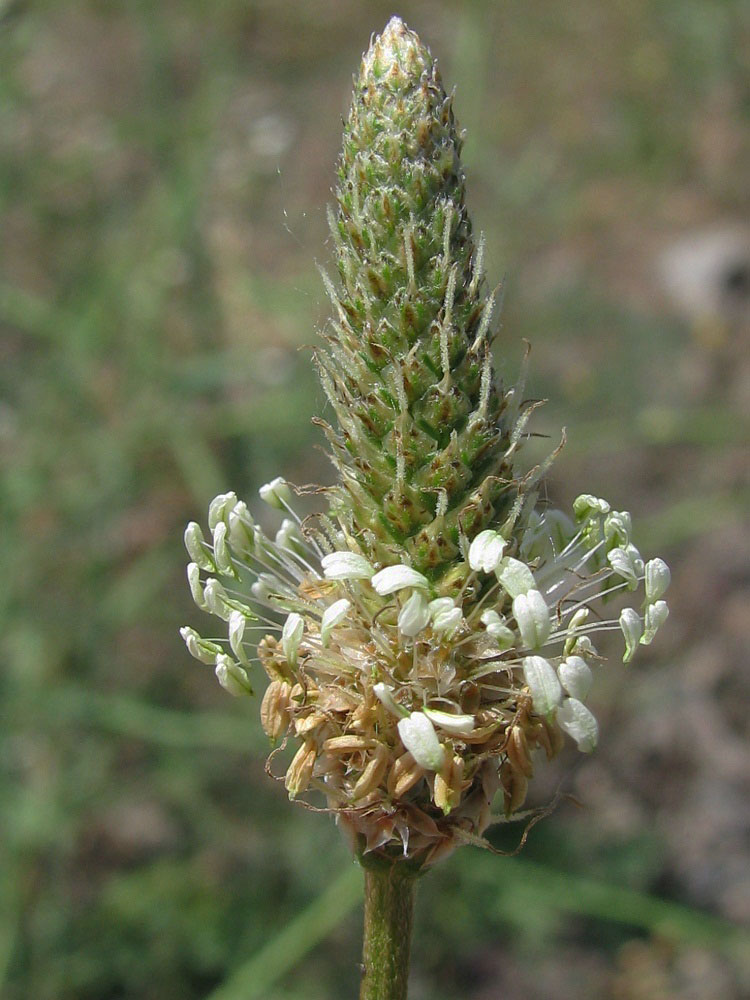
(388, 918)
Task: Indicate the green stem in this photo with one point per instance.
(389, 909)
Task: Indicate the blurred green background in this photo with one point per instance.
(164, 171)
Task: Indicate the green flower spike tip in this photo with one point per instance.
(428, 635)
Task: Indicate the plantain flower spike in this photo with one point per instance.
(428, 635)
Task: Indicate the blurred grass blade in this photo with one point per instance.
(256, 977)
(9, 916)
(166, 727)
(543, 886)
(28, 312)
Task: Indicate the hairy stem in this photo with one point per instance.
(389, 909)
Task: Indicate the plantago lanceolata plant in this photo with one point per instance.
(431, 631)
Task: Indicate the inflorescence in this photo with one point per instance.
(434, 629)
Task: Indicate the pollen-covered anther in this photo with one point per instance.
(657, 579)
(414, 616)
(445, 623)
(455, 725)
(222, 554)
(517, 749)
(195, 543)
(543, 684)
(288, 537)
(272, 659)
(332, 616)
(618, 526)
(236, 632)
(632, 630)
(655, 616)
(586, 506)
(627, 563)
(384, 694)
(486, 551)
(448, 784)
(219, 508)
(305, 724)
(575, 676)
(495, 627)
(577, 620)
(231, 676)
(515, 576)
(276, 493)
(300, 770)
(241, 536)
(202, 649)
(578, 722)
(547, 736)
(515, 786)
(404, 775)
(346, 566)
(275, 714)
(291, 636)
(420, 739)
(373, 773)
(347, 744)
(395, 578)
(533, 618)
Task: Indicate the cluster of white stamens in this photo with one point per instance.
(535, 618)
